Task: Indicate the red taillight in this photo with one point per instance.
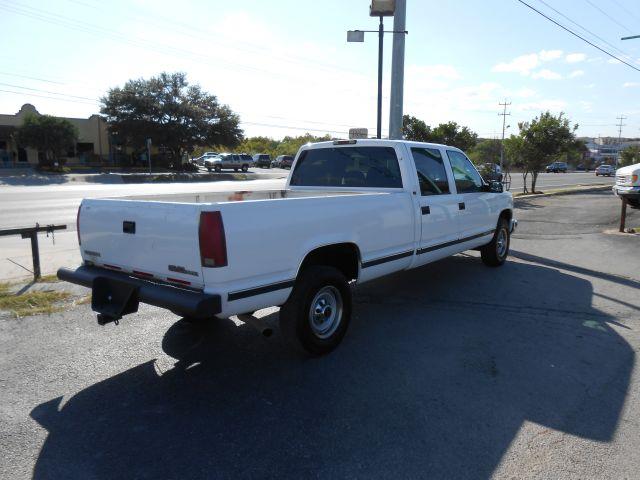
(78, 224)
(177, 280)
(213, 246)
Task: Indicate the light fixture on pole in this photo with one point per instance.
(381, 9)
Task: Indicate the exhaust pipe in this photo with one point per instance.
(260, 325)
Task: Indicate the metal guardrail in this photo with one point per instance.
(32, 233)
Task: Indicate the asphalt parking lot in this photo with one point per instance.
(454, 370)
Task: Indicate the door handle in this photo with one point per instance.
(461, 206)
(426, 210)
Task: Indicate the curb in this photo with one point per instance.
(568, 191)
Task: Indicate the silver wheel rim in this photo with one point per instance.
(502, 243)
(325, 313)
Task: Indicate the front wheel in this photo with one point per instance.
(495, 253)
(245, 168)
(315, 318)
(218, 168)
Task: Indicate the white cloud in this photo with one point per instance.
(576, 73)
(525, 64)
(613, 61)
(525, 93)
(429, 77)
(575, 57)
(547, 74)
(522, 64)
(547, 55)
(542, 105)
(631, 84)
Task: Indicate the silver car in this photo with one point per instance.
(228, 161)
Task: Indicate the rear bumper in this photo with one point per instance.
(179, 300)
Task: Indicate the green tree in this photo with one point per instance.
(50, 135)
(171, 112)
(517, 155)
(629, 156)
(253, 145)
(415, 129)
(451, 133)
(486, 151)
(290, 145)
(545, 138)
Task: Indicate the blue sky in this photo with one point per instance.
(286, 67)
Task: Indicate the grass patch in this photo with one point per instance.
(31, 303)
(48, 278)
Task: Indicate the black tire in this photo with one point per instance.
(218, 168)
(245, 168)
(209, 169)
(296, 317)
(495, 252)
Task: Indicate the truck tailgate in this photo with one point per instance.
(148, 239)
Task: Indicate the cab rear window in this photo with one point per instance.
(372, 167)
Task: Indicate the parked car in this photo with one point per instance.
(200, 160)
(580, 168)
(628, 184)
(350, 212)
(227, 161)
(283, 161)
(605, 171)
(557, 167)
(262, 160)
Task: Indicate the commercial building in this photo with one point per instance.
(92, 146)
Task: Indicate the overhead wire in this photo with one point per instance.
(577, 35)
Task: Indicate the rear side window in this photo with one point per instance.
(431, 172)
(374, 167)
(467, 178)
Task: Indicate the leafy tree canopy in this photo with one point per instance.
(171, 112)
(50, 135)
(629, 156)
(486, 151)
(449, 133)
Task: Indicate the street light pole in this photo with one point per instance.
(397, 71)
(380, 51)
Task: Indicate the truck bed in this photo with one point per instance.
(242, 196)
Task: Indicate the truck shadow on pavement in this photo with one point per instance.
(441, 367)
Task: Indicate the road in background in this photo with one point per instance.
(58, 204)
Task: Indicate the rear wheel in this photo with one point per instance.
(245, 168)
(317, 314)
(495, 253)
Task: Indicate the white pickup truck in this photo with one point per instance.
(628, 184)
(351, 211)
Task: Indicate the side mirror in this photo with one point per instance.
(496, 186)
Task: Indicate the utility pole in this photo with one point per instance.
(397, 71)
(620, 125)
(504, 115)
(380, 50)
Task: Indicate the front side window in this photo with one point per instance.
(467, 178)
(372, 167)
(431, 172)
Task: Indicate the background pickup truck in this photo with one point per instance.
(352, 211)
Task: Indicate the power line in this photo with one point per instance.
(578, 36)
(607, 15)
(49, 97)
(585, 29)
(47, 91)
(626, 10)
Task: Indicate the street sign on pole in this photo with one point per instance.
(358, 133)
